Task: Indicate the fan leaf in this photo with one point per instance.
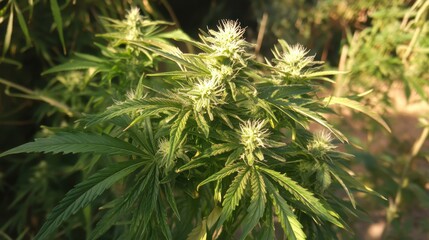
(78, 142)
(84, 193)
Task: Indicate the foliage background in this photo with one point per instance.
(370, 39)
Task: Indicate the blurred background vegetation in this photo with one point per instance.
(382, 45)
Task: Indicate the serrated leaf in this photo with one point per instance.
(234, 156)
(163, 221)
(78, 142)
(321, 121)
(358, 107)
(226, 171)
(147, 204)
(176, 133)
(108, 220)
(194, 64)
(323, 177)
(194, 163)
(56, 13)
(345, 187)
(202, 124)
(170, 199)
(233, 195)
(217, 149)
(303, 195)
(148, 107)
(267, 228)
(284, 91)
(288, 220)
(256, 209)
(84, 193)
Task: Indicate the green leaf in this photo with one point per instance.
(176, 133)
(320, 120)
(8, 35)
(148, 107)
(217, 149)
(178, 74)
(176, 34)
(226, 171)
(323, 177)
(234, 194)
(77, 143)
(55, 9)
(202, 123)
(358, 107)
(267, 226)
(22, 24)
(199, 232)
(194, 63)
(321, 75)
(109, 219)
(147, 200)
(303, 195)
(287, 218)
(234, 156)
(163, 221)
(84, 193)
(170, 199)
(71, 66)
(194, 163)
(257, 204)
(284, 91)
(345, 187)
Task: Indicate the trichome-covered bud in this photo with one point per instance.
(321, 144)
(132, 22)
(163, 150)
(207, 94)
(227, 41)
(253, 137)
(292, 60)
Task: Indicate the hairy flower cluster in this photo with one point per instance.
(253, 136)
(206, 94)
(293, 60)
(222, 72)
(163, 150)
(228, 41)
(321, 144)
(132, 22)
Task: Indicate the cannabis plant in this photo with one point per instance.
(85, 84)
(214, 145)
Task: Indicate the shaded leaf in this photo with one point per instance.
(257, 203)
(303, 195)
(78, 142)
(84, 193)
(288, 220)
(226, 171)
(358, 107)
(234, 194)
